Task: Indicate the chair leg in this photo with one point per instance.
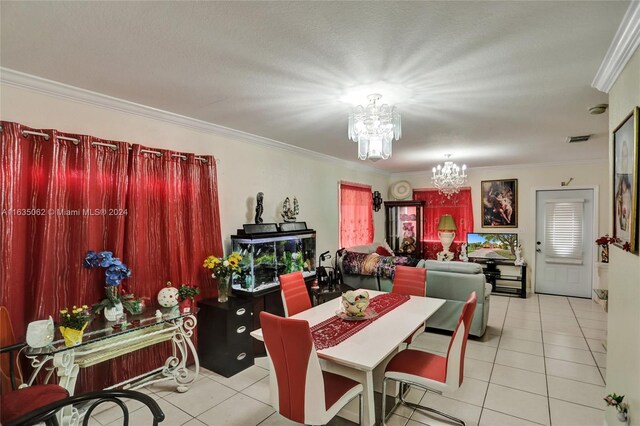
(401, 400)
(433, 410)
(361, 410)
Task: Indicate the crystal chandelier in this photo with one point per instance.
(374, 128)
(448, 178)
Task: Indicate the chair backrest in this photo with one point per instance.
(295, 297)
(410, 281)
(7, 338)
(297, 390)
(458, 343)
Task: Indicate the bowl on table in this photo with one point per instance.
(355, 303)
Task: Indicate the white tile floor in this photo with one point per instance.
(541, 362)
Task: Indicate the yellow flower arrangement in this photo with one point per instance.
(222, 267)
(75, 318)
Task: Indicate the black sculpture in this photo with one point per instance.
(259, 207)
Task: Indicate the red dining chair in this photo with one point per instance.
(300, 390)
(295, 297)
(429, 371)
(412, 282)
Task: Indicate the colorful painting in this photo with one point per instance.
(499, 203)
(625, 183)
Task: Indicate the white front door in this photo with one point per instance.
(564, 246)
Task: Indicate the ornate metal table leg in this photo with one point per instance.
(67, 371)
(176, 365)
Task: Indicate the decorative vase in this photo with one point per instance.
(185, 306)
(112, 314)
(72, 337)
(622, 417)
(604, 253)
(223, 289)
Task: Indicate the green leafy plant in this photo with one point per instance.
(187, 292)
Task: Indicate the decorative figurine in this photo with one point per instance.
(519, 260)
(377, 201)
(259, 207)
(288, 213)
(463, 253)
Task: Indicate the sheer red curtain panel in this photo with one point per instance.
(356, 215)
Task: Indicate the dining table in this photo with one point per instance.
(363, 355)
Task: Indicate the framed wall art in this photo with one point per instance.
(625, 182)
(499, 203)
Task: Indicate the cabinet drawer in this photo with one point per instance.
(237, 317)
(238, 333)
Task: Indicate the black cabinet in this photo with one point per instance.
(403, 229)
(224, 343)
(499, 276)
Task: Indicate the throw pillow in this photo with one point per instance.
(386, 245)
(382, 251)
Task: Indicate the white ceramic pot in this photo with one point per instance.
(112, 314)
(40, 333)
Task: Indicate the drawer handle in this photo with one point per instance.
(241, 311)
(241, 329)
(241, 356)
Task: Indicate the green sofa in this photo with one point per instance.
(452, 281)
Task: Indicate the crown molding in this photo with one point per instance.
(598, 161)
(623, 46)
(56, 89)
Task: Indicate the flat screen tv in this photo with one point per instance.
(492, 246)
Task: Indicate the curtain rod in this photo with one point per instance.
(109, 145)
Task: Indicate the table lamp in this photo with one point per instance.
(446, 231)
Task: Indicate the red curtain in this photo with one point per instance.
(436, 204)
(61, 198)
(53, 193)
(172, 225)
(356, 215)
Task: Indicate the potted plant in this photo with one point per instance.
(187, 294)
(72, 324)
(223, 269)
(614, 400)
(115, 272)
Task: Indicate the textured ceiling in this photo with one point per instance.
(493, 83)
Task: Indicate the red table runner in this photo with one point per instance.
(334, 330)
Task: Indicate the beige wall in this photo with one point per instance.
(530, 177)
(244, 168)
(623, 357)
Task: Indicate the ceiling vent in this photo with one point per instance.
(576, 139)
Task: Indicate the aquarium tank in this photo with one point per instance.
(265, 257)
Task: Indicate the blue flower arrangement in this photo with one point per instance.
(116, 271)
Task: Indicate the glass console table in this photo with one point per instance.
(105, 340)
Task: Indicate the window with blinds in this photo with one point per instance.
(563, 231)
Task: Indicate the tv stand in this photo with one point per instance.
(498, 273)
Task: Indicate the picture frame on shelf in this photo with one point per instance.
(625, 182)
(499, 200)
